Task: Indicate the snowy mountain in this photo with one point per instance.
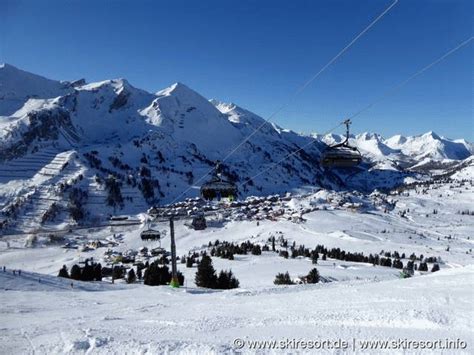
(65, 145)
(432, 146)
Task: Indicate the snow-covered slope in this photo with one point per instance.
(52, 318)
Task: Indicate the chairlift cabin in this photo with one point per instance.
(199, 222)
(150, 234)
(158, 251)
(218, 188)
(341, 155)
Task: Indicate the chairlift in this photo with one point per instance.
(199, 222)
(217, 187)
(341, 155)
(150, 234)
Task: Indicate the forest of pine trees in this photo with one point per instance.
(227, 250)
(90, 272)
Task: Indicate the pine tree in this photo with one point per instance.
(180, 278)
(314, 258)
(76, 272)
(139, 273)
(435, 268)
(156, 275)
(233, 282)
(87, 273)
(223, 280)
(147, 189)
(423, 267)
(371, 259)
(283, 279)
(63, 272)
(256, 250)
(131, 277)
(114, 196)
(150, 278)
(206, 275)
(118, 272)
(294, 253)
(98, 272)
(226, 280)
(313, 276)
(397, 264)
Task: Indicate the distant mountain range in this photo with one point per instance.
(61, 143)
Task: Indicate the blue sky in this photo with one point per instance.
(257, 53)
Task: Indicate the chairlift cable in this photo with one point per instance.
(403, 83)
(295, 94)
(290, 155)
(312, 79)
(387, 93)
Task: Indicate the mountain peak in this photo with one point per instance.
(7, 66)
(368, 136)
(431, 135)
(176, 88)
(116, 84)
(183, 93)
(8, 69)
(179, 86)
(17, 86)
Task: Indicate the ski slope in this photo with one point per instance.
(56, 319)
(356, 302)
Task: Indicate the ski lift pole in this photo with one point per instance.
(347, 123)
(174, 273)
